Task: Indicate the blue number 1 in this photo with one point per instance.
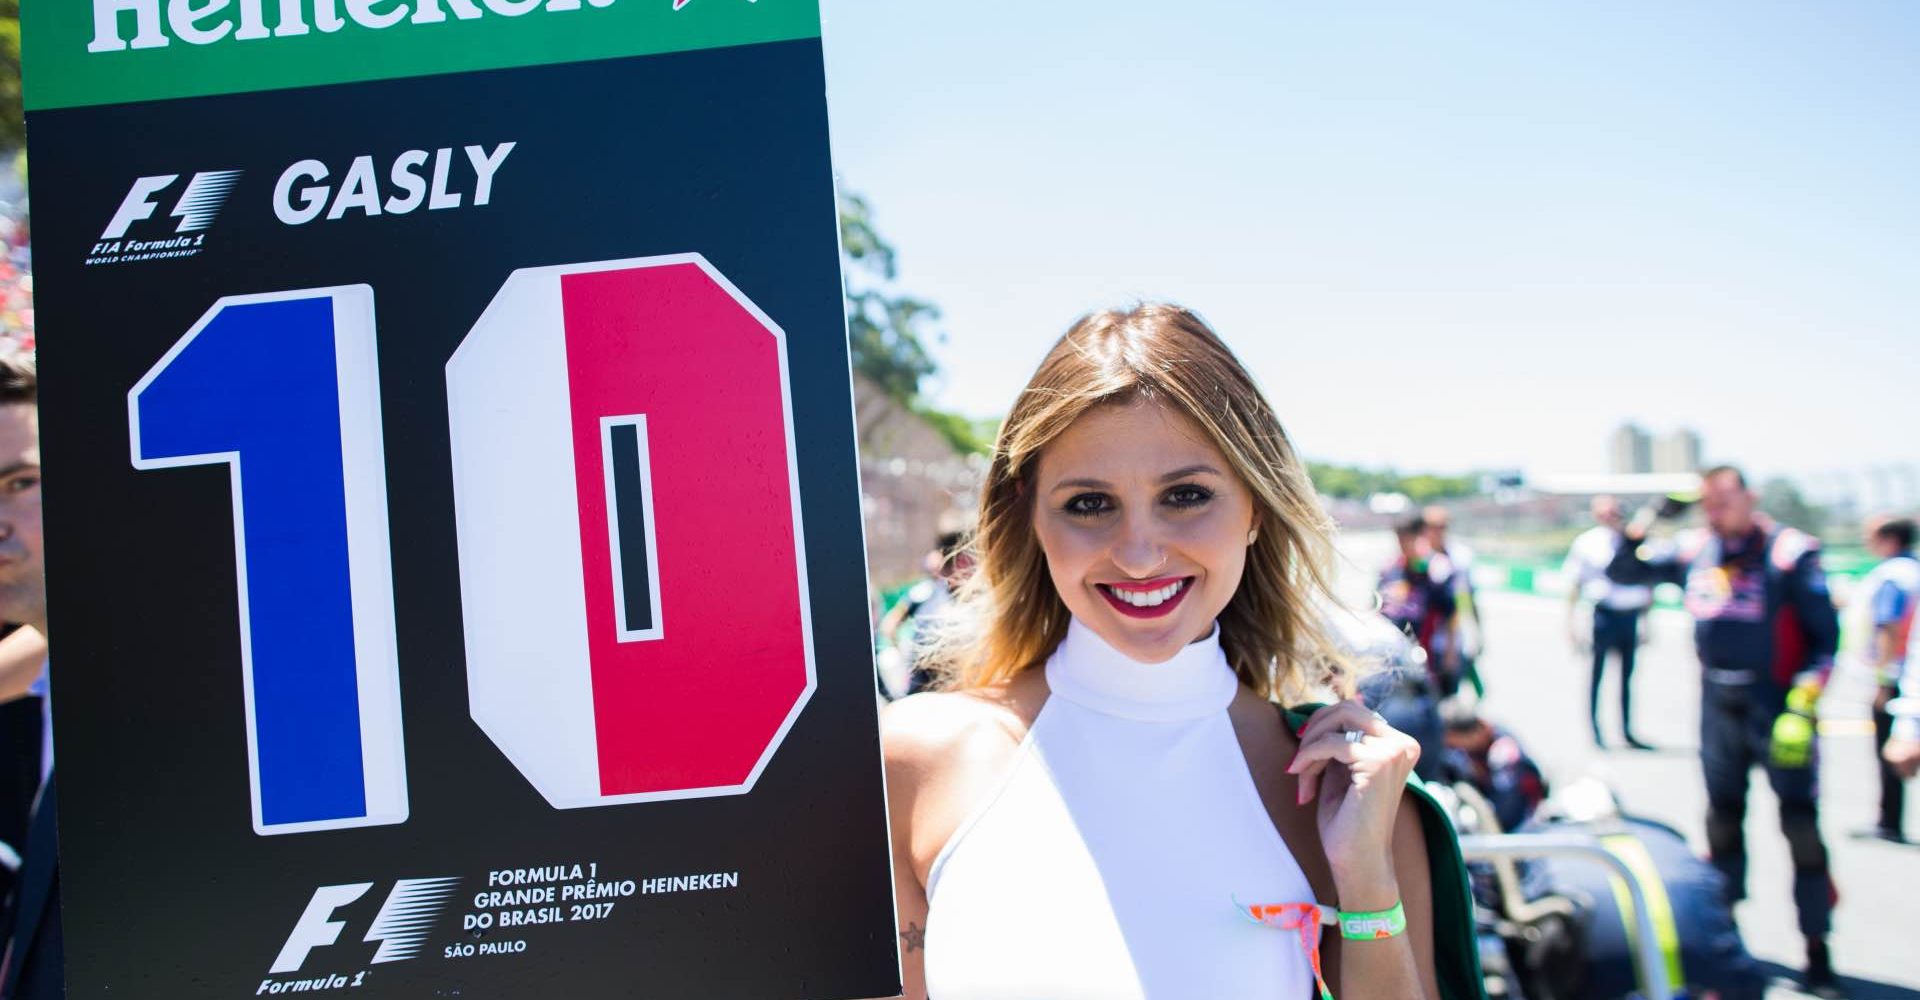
(284, 388)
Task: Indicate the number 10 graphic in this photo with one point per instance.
(283, 389)
(627, 511)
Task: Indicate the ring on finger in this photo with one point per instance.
(1355, 736)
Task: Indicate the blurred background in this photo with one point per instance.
(1489, 260)
(1498, 258)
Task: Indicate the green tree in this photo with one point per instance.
(968, 437)
(1349, 482)
(1336, 480)
(887, 330)
(1428, 488)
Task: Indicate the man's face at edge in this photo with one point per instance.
(23, 587)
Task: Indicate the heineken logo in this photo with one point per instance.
(91, 52)
(143, 24)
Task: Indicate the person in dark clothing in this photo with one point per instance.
(19, 782)
(948, 566)
(1405, 697)
(1399, 688)
(1493, 762)
(23, 665)
(1617, 609)
(1766, 631)
(1468, 629)
(35, 963)
(1417, 596)
(33, 966)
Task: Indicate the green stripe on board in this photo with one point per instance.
(82, 52)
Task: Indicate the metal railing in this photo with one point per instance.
(1648, 957)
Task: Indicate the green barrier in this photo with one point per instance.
(1543, 577)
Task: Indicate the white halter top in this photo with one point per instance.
(1108, 863)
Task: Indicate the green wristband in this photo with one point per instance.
(1371, 926)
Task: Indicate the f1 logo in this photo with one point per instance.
(401, 926)
(198, 204)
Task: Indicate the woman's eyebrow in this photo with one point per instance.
(1101, 484)
(1191, 470)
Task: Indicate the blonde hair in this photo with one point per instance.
(1009, 616)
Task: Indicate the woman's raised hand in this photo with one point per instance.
(1357, 781)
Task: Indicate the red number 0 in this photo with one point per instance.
(631, 560)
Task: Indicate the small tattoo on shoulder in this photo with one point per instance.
(915, 936)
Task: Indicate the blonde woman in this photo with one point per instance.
(1104, 800)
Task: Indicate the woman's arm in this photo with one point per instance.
(1376, 848)
(1400, 966)
(22, 654)
(906, 759)
(910, 907)
(943, 752)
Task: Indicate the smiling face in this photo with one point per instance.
(1144, 525)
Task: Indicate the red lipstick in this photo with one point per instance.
(1146, 598)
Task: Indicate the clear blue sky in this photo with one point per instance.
(1442, 235)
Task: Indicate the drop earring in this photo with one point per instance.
(1253, 536)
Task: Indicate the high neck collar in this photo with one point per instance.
(1088, 672)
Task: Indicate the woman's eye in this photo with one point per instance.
(1188, 496)
(1087, 504)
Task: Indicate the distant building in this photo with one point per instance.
(1631, 451)
(1677, 451)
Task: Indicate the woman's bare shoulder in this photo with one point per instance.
(945, 751)
(1260, 724)
(933, 726)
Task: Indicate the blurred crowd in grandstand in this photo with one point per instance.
(16, 261)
